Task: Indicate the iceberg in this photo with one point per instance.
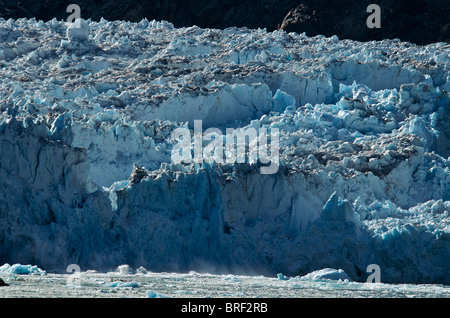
(153, 294)
(20, 269)
(121, 284)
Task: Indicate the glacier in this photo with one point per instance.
(86, 177)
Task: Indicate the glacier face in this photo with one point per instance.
(86, 175)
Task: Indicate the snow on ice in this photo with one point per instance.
(86, 117)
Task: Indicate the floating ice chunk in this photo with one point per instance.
(22, 269)
(152, 294)
(121, 284)
(280, 276)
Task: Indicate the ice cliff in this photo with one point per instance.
(86, 176)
